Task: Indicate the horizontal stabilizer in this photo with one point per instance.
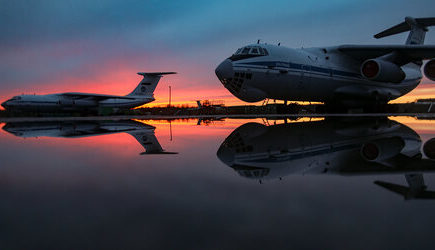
(155, 73)
(158, 153)
(407, 192)
(407, 25)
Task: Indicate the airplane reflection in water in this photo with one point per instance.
(363, 146)
(143, 133)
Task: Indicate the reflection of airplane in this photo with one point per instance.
(73, 101)
(337, 146)
(354, 75)
(416, 189)
(143, 133)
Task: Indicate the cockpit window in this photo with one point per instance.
(264, 51)
(16, 98)
(252, 50)
(249, 51)
(245, 51)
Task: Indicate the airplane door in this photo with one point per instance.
(66, 102)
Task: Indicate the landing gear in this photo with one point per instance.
(355, 106)
(376, 107)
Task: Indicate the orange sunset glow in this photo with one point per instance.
(119, 79)
(122, 82)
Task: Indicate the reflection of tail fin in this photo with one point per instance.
(149, 141)
(148, 84)
(416, 189)
(417, 26)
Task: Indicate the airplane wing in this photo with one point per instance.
(410, 52)
(96, 97)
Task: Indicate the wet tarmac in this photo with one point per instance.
(242, 182)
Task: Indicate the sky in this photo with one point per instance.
(53, 46)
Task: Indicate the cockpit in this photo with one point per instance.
(248, 52)
(251, 172)
(15, 98)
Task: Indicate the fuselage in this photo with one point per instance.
(355, 147)
(59, 102)
(75, 129)
(312, 74)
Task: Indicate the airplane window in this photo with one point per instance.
(245, 50)
(248, 52)
(265, 52)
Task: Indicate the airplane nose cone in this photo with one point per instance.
(225, 70)
(5, 104)
(226, 155)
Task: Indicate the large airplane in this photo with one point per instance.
(349, 147)
(73, 101)
(350, 75)
(142, 132)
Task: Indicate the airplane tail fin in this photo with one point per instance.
(416, 26)
(148, 84)
(149, 142)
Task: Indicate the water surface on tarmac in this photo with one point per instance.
(352, 183)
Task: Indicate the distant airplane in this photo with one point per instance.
(365, 146)
(73, 101)
(143, 133)
(350, 75)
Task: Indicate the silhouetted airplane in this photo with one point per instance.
(74, 101)
(334, 146)
(143, 133)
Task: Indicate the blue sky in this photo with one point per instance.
(71, 45)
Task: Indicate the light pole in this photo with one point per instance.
(169, 95)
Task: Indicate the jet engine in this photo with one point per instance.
(382, 71)
(382, 149)
(429, 70)
(429, 149)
